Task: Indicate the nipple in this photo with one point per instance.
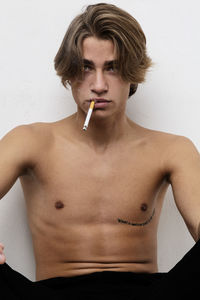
(144, 207)
(59, 204)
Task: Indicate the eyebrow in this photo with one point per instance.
(106, 63)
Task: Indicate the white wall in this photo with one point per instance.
(30, 34)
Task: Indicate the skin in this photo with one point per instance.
(94, 198)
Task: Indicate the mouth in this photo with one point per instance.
(100, 103)
(100, 100)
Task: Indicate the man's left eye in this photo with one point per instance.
(112, 68)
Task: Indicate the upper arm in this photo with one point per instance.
(183, 162)
(16, 154)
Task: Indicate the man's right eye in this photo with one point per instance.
(87, 68)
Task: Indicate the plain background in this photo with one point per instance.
(30, 34)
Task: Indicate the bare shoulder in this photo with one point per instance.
(182, 155)
(24, 142)
(178, 147)
(183, 144)
(170, 142)
(36, 135)
(29, 134)
(177, 152)
(172, 149)
(19, 135)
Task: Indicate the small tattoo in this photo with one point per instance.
(138, 224)
(59, 205)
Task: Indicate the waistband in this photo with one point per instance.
(103, 277)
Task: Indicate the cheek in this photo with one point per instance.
(126, 89)
(121, 89)
(76, 92)
(79, 90)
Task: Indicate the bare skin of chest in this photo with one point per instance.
(92, 211)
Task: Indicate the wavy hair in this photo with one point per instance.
(105, 21)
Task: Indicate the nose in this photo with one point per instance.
(99, 83)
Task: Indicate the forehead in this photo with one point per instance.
(98, 50)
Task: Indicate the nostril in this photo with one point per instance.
(99, 92)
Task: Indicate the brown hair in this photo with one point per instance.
(105, 21)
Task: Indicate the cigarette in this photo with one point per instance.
(88, 115)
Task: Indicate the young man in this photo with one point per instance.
(94, 197)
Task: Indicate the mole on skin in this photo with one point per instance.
(59, 204)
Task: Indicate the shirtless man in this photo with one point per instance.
(94, 197)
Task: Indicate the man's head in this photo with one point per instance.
(109, 23)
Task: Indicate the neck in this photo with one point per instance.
(102, 132)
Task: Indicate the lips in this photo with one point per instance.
(100, 100)
(101, 103)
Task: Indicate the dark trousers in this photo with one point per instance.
(181, 281)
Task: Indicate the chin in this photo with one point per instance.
(101, 115)
(97, 112)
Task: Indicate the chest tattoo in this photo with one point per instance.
(137, 224)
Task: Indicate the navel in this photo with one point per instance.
(59, 205)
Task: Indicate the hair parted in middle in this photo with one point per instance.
(105, 21)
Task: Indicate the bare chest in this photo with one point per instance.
(86, 187)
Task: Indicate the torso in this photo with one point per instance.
(90, 211)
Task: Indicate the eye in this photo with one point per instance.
(87, 68)
(112, 68)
